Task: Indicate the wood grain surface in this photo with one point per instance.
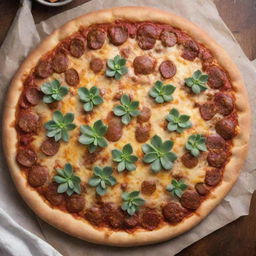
(239, 237)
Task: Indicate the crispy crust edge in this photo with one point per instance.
(82, 229)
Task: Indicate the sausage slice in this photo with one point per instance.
(115, 129)
(26, 157)
(28, 121)
(33, 95)
(53, 196)
(201, 189)
(190, 200)
(118, 34)
(225, 103)
(60, 63)
(217, 159)
(37, 176)
(215, 142)
(43, 69)
(145, 114)
(50, 147)
(191, 50)
(189, 160)
(142, 133)
(168, 38)
(146, 36)
(72, 77)
(207, 110)
(226, 128)
(144, 65)
(96, 38)
(148, 187)
(150, 219)
(167, 69)
(77, 47)
(212, 177)
(94, 215)
(75, 203)
(173, 213)
(96, 65)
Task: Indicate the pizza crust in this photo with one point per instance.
(82, 229)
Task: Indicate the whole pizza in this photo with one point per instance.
(126, 126)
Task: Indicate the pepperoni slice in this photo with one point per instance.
(26, 157)
(26, 139)
(217, 78)
(72, 77)
(226, 128)
(202, 189)
(96, 38)
(205, 55)
(150, 219)
(37, 176)
(217, 159)
(53, 196)
(50, 147)
(182, 37)
(213, 177)
(96, 65)
(167, 69)
(191, 50)
(173, 213)
(144, 65)
(168, 38)
(118, 34)
(115, 218)
(60, 63)
(207, 110)
(215, 142)
(142, 133)
(28, 121)
(33, 95)
(146, 36)
(115, 129)
(190, 200)
(94, 215)
(225, 103)
(145, 114)
(75, 203)
(189, 160)
(43, 69)
(148, 187)
(77, 47)
(131, 221)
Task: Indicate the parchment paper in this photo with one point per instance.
(24, 35)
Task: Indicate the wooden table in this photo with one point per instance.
(239, 237)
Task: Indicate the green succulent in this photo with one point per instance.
(159, 154)
(59, 126)
(124, 158)
(102, 179)
(93, 137)
(53, 91)
(162, 93)
(195, 144)
(127, 110)
(90, 97)
(176, 187)
(131, 202)
(116, 67)
(177, 122)
(67, 180)
(197, 82)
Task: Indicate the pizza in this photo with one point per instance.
(126, 126)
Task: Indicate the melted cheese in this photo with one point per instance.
(138, 87)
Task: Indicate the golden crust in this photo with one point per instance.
(83, 229)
